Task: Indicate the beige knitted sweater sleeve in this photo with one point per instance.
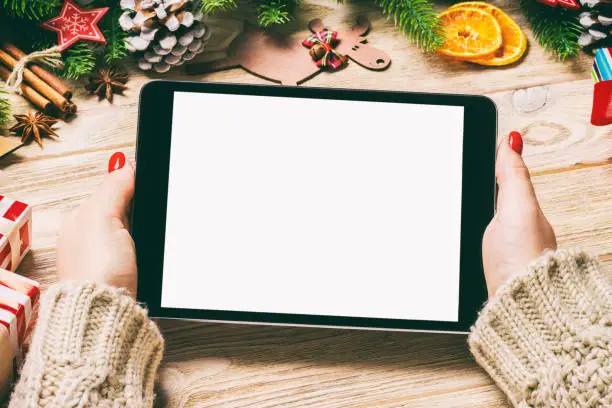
(93, 346)
(546, 337)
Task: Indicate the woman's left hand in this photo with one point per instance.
(95, 243)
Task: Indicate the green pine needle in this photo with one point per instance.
(31, 9)
(556, 29)
(115, 37)
(274, 12)
(212, 6)
(5, 108)
(417, 19)
(80, 60)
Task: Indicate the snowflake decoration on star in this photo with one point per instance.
(74, 24)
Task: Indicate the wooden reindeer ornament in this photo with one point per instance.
(353, 44)
(287, 61)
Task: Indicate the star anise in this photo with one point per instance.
(34, 124)
(107, 82)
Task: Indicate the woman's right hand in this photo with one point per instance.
(519, 231)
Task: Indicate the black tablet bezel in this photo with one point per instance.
(150, 199)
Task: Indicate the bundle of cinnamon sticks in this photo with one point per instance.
(40, 87)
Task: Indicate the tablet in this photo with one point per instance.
(308, 206)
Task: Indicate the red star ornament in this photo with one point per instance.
(74, 24)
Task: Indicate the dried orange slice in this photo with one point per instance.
(470, 33)
(514, 42)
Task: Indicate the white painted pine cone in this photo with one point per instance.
(144, 65)
(168, 41)
(126, 22)
(160, 51)
(199, 30)
(585, 39)
(597, 35)
(139, 19)
(172, 59)
(161, 12)
(148, 33)
(173, 23)
(179, 50)
(136, 43)
(195, 45)
(186, 39)
(161, 67)
(586, 20)
(187, 18)
(167, 32)
(150, 56)
(127, 4)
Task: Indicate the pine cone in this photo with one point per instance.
(596, 18)
(165, 32)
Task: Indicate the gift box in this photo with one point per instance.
(601, 114)
(19, 298)
(15, 232)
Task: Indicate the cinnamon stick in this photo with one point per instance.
(41, 86)
(42, 73)
(31, 95)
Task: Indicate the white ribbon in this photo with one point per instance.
(10, 230)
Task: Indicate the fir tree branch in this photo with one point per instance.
(417, 19)
(274, 12)
(24, 33)
(556, 29)
(212, 6)
(5, 108)
(31, 9)
(115, 36)
(80, 60)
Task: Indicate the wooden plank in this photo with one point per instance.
(434, 73)
(579, 211)
(239, 365)
(209, 365)
(555, 123)
(558, 136)
(305, 367)
(577, 203)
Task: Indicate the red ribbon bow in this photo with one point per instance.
(326, 38)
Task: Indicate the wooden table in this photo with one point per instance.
(212, 365)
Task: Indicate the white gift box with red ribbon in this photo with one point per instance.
(18, 295)
(15, 232)
(19, 298)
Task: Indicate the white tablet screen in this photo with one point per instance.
(310, 206)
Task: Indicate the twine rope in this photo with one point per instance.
(51, 57)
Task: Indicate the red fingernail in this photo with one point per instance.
(516, 141)
(116, 161)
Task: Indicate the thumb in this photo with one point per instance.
(114, 196)
(513, 180)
